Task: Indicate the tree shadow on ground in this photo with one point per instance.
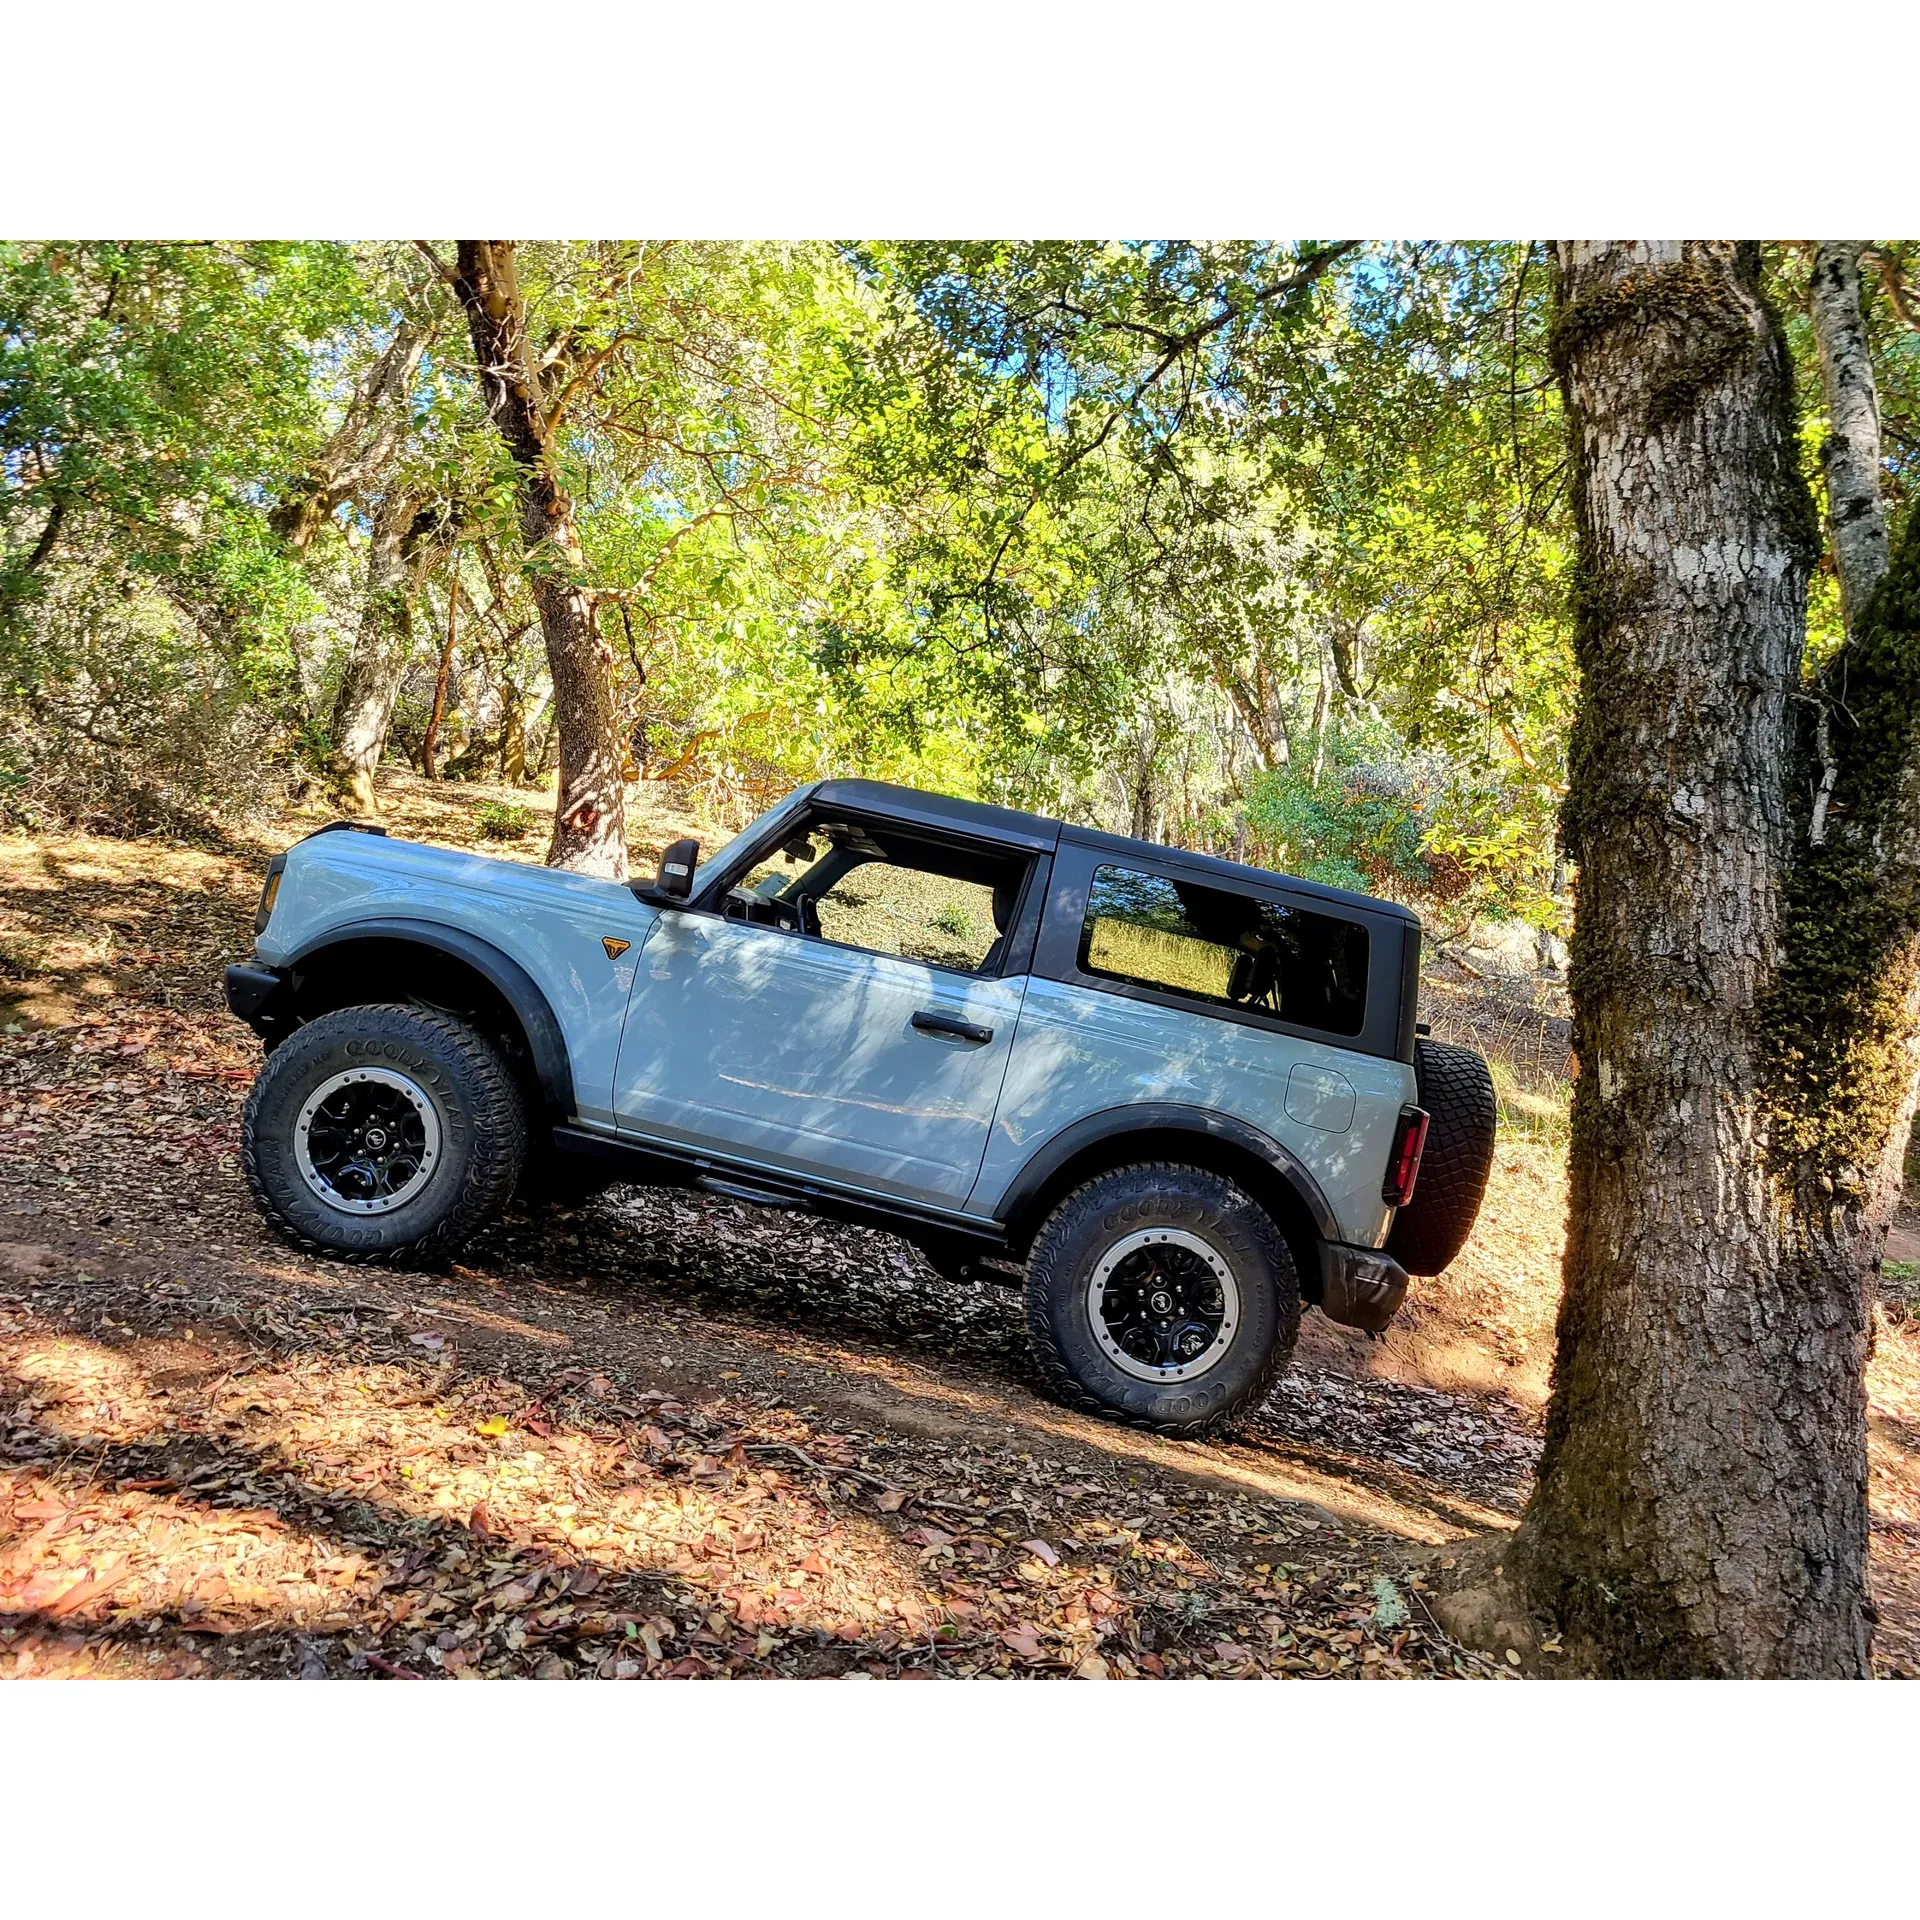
(858, 1285)
(335, 1576)
(550, 1513)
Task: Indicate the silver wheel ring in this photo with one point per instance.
(317, 1183)
(1216, 1264)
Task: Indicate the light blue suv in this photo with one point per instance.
(1189, 1098)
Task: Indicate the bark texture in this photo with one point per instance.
(1257, 699)
(1744, 1046)
(590, 815)
(1851, 456)
(364, 445)
(442, 679)
(363, 708)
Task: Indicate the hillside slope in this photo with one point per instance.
(666, 1434)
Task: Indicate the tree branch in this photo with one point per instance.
(1309, 270)
(440, 267)
(557, 411)
(1906, 303)
(48, 535)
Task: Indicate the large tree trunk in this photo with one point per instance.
(363, 708)
(1856, 518)
(590, 814)
(1743, 1005)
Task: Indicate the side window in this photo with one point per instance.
(884, 892)
(888, 908)
(1226, 948)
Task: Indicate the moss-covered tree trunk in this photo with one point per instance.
(590, 814)
(1744, 1003)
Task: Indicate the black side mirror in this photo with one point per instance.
(675, 881)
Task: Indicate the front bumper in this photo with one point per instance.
(1360, 1286)
(256, 995)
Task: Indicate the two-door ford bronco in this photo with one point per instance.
(1189, 1097)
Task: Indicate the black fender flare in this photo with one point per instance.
(516, 986)
(1165, 1117)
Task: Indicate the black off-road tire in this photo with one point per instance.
(482, 1124)
(1105, 1211)
(1457, 1090)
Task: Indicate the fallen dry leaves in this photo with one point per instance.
(336, 1512)
(643, 1440)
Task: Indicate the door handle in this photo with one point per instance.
(946, 1023)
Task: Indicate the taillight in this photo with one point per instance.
(1403, 1166)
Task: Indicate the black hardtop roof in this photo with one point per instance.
(1233, 872)
(910, 805)
(1037, 834)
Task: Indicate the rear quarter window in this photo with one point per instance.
(1225, 949)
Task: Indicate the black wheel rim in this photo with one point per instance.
(1163, 1305)
(367, 1140)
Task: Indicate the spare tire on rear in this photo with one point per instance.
(1457, 1091)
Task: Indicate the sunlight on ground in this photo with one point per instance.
(173, 1500)
(651, 1503)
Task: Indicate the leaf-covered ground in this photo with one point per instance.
(661, 1436)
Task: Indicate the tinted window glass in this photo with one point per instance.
(1208, 943)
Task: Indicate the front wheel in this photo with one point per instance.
(378, 1131)
(1162, 1296)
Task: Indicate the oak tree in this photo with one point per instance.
(1746, 982)
(590, 814)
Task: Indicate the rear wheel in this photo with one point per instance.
(1162, 1296)
(378, 1131)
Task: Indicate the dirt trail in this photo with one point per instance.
(662, 1435)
